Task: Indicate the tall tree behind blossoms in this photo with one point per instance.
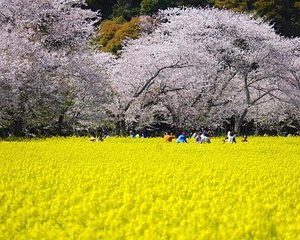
(282, 13)
(47, 72)
(200, 66)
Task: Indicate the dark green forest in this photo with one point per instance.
(284, 14)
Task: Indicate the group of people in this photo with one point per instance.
(136, 135)
(231, 137)
(202, 137)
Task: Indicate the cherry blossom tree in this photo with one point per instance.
(288, 112)
(190, 68)
(48, 71)
(200, 66)
(291, 84)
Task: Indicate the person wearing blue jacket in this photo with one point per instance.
(181, 138)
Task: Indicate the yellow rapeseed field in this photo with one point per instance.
(148, 189)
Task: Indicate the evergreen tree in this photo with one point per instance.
(285, 14)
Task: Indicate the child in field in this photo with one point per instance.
(245, 139)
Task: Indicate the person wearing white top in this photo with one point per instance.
(228, 134)
(231, 137)
(204, 138)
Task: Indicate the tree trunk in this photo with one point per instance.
(18, 127)
(60, 123)
(121, 125)
(240, 120)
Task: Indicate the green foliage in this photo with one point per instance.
(151, 6)
(126, 9)
(283, 13)
(239, 6)
(113, 32)
(191, 3)
(148, 6)
(130, 8)
(103, 5)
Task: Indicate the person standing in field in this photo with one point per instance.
(231, 137)
(181, 138)
(228, 134)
